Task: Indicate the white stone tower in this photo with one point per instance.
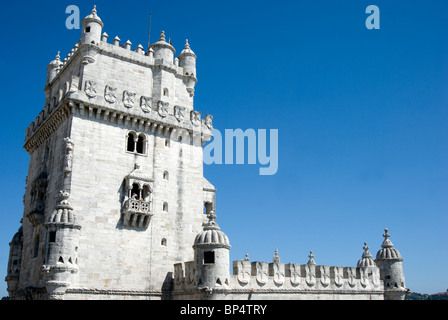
(115, 189)
(390, 262)
(211, 256)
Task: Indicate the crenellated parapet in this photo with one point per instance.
(284, 280)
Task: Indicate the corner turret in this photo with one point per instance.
(92, 27)
(211, 251)
(390, 263)
(163, 50)
(53, 68)
(187, 60)
(62, 248)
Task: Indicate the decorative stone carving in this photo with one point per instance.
(244, 269)
(279, 273)
(338, 275)
(208, 121)
(294, 273)
(189, 271)
(163, 108)
(110, 94)
(351, 275)
(364, 274)
(128, 99)
(262, 274)
(91, 88)
(68, 155)
(146, 104)
(179, 113)
(195, 117)
(325, 275)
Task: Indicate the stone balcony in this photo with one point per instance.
(137, 213)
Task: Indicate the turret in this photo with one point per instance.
(53, 68)
(187, 60)
(62, 248)
(390, 263)
(163, 50)
(14, 262)
(211, 251)
(92, 27)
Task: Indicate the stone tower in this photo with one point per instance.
(211, 256)
(115, 190)
(390, 263)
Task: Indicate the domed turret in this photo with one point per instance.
(187, 60)
(92, 27)
(211, 249)
(366, 260)
(163, 50)
(53, 68)
(390, 262)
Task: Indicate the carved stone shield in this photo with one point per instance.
(294, 274)
(338, 276)
(310, 274)
(91, 88)
(128, 99)
(146, 104)
(195, 117)
(110, 94)
(208, 121)
(262, 269)
(325, 275)
(243, 271)
(179, 113)
(279, 273)
(351, 276)
(163, 108)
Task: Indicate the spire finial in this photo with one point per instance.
(162, 36)
(276, 257)
(94, 9)
(58, 55)
(366, 253)
(187, 45)
(211, 224)
(247, 257)
(311, 256)
(386, 235)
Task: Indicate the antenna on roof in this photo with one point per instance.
(149, 32)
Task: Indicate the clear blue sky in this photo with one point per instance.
(362, 118)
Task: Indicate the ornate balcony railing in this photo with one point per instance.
(137, 213)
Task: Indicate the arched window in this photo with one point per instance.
(166, 92)
(163, 242)
(166, 175)
(136, 143)
(135, 192)
(141, 144)
(131, 142)
(165, 207)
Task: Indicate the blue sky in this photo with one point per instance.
(361, 116)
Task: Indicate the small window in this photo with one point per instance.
(36, 247)
(166, 175)
(141, 144)
(87, 29)
(209, 257)
(52, 237)
(131, 142)
(163, 242)
(165, 92)
(165, 207)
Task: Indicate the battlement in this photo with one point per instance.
(261, 276)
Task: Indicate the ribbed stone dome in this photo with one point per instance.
(93, 17)
(388, 251)
(212, 236)
(366, 260)
(63, 214)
